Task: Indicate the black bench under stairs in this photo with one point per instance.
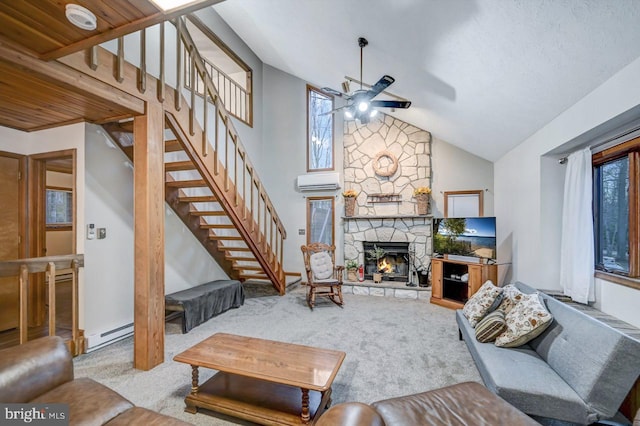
(198, 304)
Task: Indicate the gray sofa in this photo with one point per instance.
(579, 370)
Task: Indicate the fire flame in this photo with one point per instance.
(385, 266)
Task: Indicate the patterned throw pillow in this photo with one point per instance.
(490, 327)
(526, 321)
(478, 305)
(511, 296)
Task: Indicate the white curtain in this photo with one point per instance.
(577, 251)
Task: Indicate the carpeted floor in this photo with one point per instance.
(394, 347)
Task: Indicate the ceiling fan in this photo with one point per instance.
(360, 104)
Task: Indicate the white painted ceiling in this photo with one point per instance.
(483, 75)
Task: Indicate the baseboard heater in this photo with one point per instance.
(100, 340)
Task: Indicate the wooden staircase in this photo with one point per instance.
(209, 180)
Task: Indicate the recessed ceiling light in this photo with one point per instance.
(81, 17)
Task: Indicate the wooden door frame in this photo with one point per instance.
(37, 186)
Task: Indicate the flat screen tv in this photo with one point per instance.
(470, 237)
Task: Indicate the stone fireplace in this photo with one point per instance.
(384, 162)
(394, 263)
(411, 232)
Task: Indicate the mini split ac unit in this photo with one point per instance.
(319, 182)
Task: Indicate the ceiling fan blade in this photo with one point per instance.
(382, 84)
(391, 104)
(333, 92)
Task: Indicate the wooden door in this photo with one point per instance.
(11, 226)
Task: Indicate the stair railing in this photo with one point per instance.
(242, 187)
(21, 268)
(235, 98)
(239, 170)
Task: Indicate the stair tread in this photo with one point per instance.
(207, 213)
(198, 199)
(192, 183)
(244, 259)
(216, 226)
(172, 146)
(225, 237)
(227, 248)
(248, 268)
(176, 166)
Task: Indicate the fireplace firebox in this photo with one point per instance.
(394, 265)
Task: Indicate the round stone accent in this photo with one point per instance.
(389, 170)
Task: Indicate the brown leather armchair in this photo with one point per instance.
(467, 403)
(41, 371)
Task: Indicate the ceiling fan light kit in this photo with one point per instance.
(360, 104)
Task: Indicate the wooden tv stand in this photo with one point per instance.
(449, 290)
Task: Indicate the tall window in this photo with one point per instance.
(616, 201)
(320, 220)
(319, 130)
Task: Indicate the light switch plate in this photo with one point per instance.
(102, 233)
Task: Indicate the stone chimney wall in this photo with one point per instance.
(387, 156)
(378, 145)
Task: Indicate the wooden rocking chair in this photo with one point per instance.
(323, 277)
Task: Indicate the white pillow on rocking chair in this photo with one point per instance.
(321, 265)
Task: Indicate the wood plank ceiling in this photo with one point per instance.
(37, 95)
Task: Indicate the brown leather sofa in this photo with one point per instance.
(467, 403)
(41, 371)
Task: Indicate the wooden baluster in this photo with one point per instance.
(93, 57)
(142, 70)
(51, 280)
(215, 146)
(259, 188)
(161, 80)
(120, 61)
(205, 142)
(272, 256)
(226, 153)
(251, 187)
(178, 97)
(24, 285)
(244, 185)
(192, 77)
(235, 167)
(75, 310)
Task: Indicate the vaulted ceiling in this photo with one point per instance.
(482, 74)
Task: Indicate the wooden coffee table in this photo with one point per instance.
(267, 382)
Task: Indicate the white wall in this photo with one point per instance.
(455, 169)
(528, 189)
(109, 263)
